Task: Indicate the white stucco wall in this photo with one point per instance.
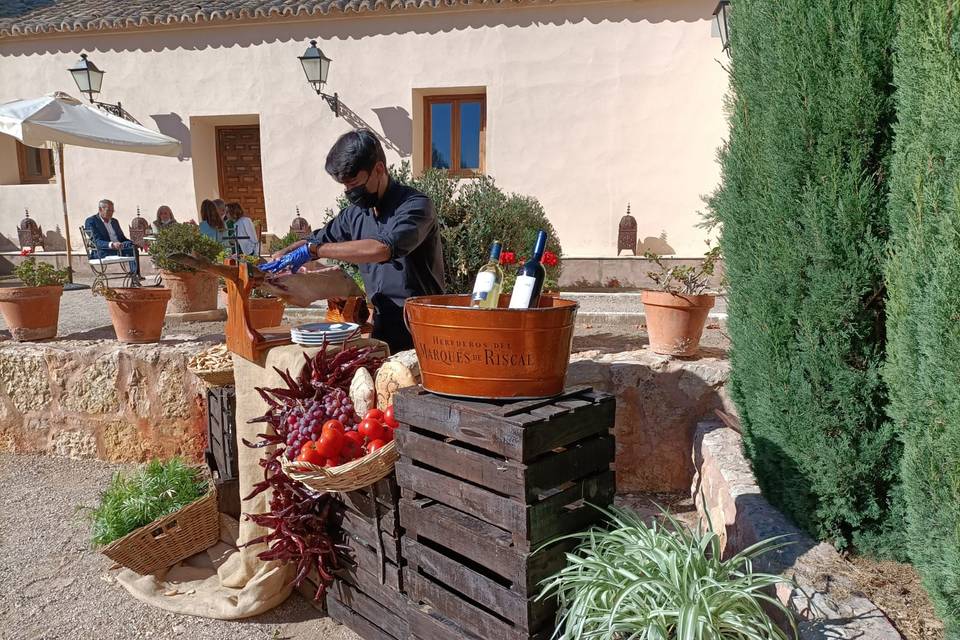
(589, 106)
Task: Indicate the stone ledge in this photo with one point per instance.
(826, 601)
(660, 399)
(101, 399)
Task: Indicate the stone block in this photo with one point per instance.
(90, 384)
(77, 445)
(660, 399)
(24, 378)
(824, 598)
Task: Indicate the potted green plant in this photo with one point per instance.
(677, 311)
(33, 310)
(137, 313)
(191, 290)
(663, 580)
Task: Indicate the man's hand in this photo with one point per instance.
(116, 245)
(292, 261)
(293, 247)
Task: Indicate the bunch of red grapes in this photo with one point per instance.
(304, 422)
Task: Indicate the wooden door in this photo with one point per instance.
(239, 170)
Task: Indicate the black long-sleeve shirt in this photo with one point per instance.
(404, 221)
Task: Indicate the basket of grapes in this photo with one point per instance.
(323, 442)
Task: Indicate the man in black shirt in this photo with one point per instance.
(389, 229)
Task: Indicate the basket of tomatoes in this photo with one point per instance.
(334, 456)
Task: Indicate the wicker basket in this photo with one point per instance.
(170, 539)
(217, 378)
(354, 475)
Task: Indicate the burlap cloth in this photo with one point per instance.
(226, 582)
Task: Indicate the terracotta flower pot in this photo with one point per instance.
(675, 321)
(138, 313)
(266, 312)
(31, 313)
(191, 291)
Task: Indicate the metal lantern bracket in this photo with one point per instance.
(333, 101)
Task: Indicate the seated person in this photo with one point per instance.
(247, 238)
(211, 224)
(108, 239)
(164, 218)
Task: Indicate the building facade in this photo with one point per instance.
(585, 105)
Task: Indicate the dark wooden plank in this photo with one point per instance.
(489, 433)
(362, 531)
(495, 473)
(387, 626)
(363, 505)
(460, 612)
(466, 535)
(567, 428)
(578, 460)
(506, 513)
(308, 589)
(520, 608)
(364, 558)
(427, 624)
(553, 517)
(387, 594)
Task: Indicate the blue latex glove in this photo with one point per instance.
(292, 261)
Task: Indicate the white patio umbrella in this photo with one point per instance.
(59, 119)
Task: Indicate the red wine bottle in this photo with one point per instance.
(526, 290)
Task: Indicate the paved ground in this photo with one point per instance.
(54, 587)
(85, 316)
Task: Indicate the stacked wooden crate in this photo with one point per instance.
(483, 487)
(221, 452)
(367, 595)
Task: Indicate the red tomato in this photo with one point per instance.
(332, 462)
(374, 445)
(374, 414)
(370, 429)
(387, 434)
(330, 443)
(354, 437)
(333, 425)
(351, 451)
(310, 453)
(389, 419)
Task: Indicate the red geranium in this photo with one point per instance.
(550, 259)
(508, 257)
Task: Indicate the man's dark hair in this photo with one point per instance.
(354, 152)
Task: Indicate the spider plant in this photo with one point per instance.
(662, 581)
(155, 490)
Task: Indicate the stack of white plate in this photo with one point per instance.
(314, 333)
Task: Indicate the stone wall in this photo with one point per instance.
(102, 399)
(826, 600)
(660, 399)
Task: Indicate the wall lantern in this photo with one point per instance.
(721, 17)
(317, 66)
(89, 79)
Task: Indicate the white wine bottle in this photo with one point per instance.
(486, 290)
(526, 290)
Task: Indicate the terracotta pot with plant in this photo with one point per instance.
(33, 310)
(190, 290)
(137, 313)
(677, 311)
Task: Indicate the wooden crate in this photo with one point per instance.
(367, 594)
(221, 453)
(483, 487)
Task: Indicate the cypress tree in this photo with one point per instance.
(804, 231)
(923, 370)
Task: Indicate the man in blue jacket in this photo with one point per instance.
(108, 238)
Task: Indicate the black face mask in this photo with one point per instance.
(359, 196)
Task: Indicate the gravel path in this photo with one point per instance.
(54, 587)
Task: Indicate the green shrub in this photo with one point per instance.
(182, 238)
(39, 274)
(804, 229)
(923, 275)
(155, 490)
(662, 582)
(472, 215)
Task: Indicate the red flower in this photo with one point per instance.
(26, 252)
(508, 257)
(550, 259)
